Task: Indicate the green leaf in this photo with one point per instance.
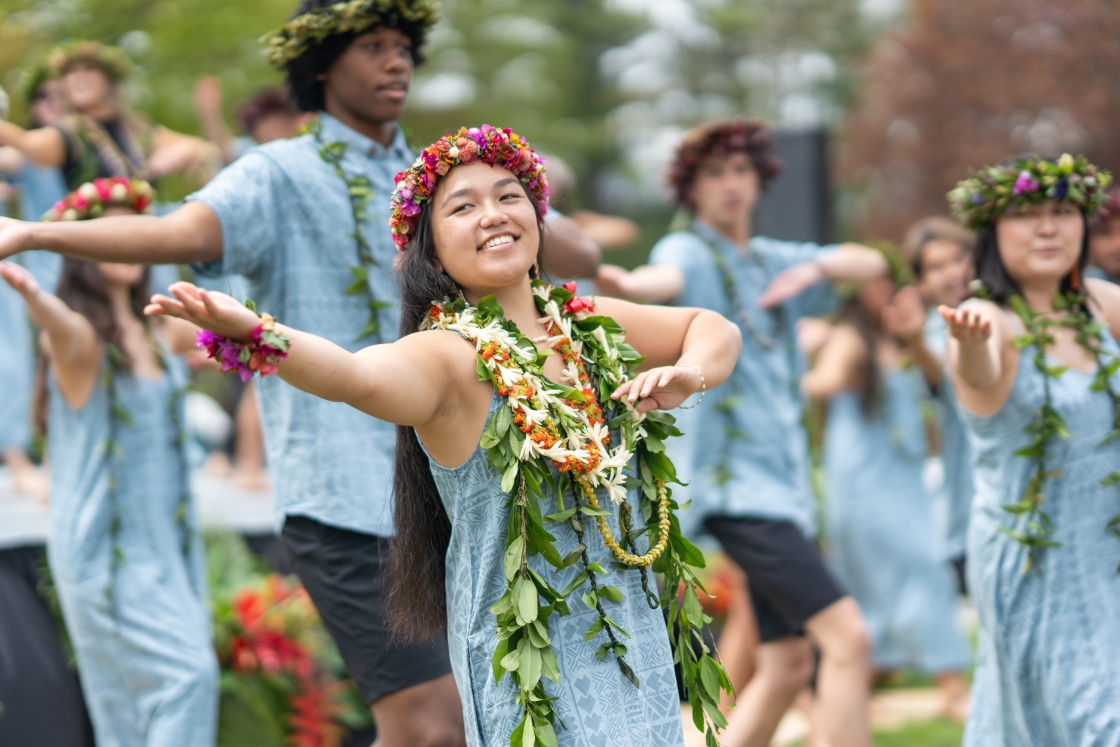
(596, 567)
(512, 561)
(688, 552)
(611, 593)
(563, 515)
(500, 653)
(546, 735)
(481, 369)
(709, 677)
(510, 476)
(575, 584)
(692, 609)
(627, 672)
(589, 511)
(550, 669)
(504, 420)
(511, 661)
(527, 602)
(593, 630)
(1112, 478)
(530, 667)
(251, 305)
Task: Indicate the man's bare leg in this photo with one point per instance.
(248, 443)
(782, 668)
(425, 715)
(843, 679)
(738, 640)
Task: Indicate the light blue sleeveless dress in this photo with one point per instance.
(17, 370)
(1049, 669)
(880, 528)
(596, 703)
(145, 656)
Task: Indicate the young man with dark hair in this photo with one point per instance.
(306, 221)
(747, 457)
(941, 254)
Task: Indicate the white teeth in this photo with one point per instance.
(498, 241)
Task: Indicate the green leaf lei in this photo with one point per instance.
(524, 651)
(359, 189)
(120, 417)
(1048, 424)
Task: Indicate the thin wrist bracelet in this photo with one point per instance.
(703, 385)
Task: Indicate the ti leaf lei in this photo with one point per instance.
(119, 417)
(359, 189)
(1048, 424)
(737, 305)
(552, 442)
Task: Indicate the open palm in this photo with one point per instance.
(210, 310)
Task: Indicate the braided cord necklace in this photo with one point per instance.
(738, 307)
(359, 190)
(1048, 424)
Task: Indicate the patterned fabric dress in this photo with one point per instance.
(880, 529)
(596, 703)
(147, 663)
(1048, 674)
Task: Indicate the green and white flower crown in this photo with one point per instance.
(301, 33)
(112, 60)
(990, 192)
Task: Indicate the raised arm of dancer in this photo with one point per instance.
(567, 252)
(192, 233)
(675, 342)
(44, 146)
(850, 263)
(71, 339)
(1106, 300)
(646, 284)
(905, 318)
(174, 152)
(838, 364)
(208, 104)
(982, 360)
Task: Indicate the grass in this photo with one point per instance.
(935, 733)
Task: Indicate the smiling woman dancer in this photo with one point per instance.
(524, 424)
(1035, 367)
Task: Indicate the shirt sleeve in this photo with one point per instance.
(687, 253)
(248, 198)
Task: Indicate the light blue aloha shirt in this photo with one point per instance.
(745, 452)
(286, 226)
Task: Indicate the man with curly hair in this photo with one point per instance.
(305, 221)
(747, 455)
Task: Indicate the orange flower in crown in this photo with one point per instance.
(486, 144)
(92, 198)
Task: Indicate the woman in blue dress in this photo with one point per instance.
(1032, 363)
(500, 468)
(123, 547)
(878, 517)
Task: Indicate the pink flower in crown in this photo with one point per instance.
(104, 189)
(1025, 183)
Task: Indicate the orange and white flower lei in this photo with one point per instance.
(577, 439)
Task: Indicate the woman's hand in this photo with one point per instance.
(22, 281)
(966, 325)
(216, 312)
(660, 388)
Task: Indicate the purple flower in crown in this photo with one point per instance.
(977, 198)
(1061, 188)
(1025, 183)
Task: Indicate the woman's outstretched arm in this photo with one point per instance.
(838, 365)
(975, 345)
(404, 382)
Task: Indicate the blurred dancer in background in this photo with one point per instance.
(879, 517)
(263, 117)
(747, 455)
(124, 550)
(941, 256)
(100, 136)
(1104, 240)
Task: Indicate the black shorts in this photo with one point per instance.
(344, 572)
(788, 581)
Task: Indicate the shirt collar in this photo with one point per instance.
(333, 130)
(712, 236)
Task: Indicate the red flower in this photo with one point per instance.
(577, 304)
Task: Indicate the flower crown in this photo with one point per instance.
(303, 32)
(988, 194)
(33, 77)
(92, 198)
(487, 144)
(112, 60)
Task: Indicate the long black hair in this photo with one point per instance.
(81, 286)
(417, 599)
